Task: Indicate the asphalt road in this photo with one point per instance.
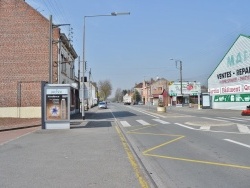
(189, 147)
(132, 146)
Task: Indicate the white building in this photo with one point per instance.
(229, 84)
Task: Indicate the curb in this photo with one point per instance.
(16, 128)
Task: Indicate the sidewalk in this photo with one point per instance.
(91, 154)
(7, 124)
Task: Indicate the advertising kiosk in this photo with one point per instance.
(56, 106)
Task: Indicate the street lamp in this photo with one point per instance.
(176, 61)
(83, 61)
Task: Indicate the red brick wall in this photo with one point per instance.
(24, 53)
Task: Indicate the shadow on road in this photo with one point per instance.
(93, 124)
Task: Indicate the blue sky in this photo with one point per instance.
(128, 49)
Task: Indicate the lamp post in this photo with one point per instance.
(176, 61)
(83, 61)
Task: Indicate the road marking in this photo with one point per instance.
(139, 174)
(214, 119)
(205, 128)
(125, 124)
(142, 122)
(147, 113)
(243, 128)
(199, 161)
(161, 121)
(132, 160)
(239, 143)
(241, 118)
(230, 119)
(185, 126)
(96, 120)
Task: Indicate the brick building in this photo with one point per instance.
(24, 59)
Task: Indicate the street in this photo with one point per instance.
(190, 148)
(132, 146)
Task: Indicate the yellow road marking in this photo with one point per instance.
(198, 161)
(146, 152)
(132, 160)
(161, 145)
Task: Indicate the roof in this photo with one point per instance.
(241, 35)
(140, 85)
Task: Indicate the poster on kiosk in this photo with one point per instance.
(57, 112)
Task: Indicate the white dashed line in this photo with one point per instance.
(185, 126)
(239, 143)
(125, 124)
(230, 119)
(161, 121)
(243, 128)
(142, 122)
(205, 128)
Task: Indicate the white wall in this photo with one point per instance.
(229, 84)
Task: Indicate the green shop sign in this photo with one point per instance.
(232, 98)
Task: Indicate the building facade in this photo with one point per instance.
(229, 83)
(24, 59)
(159, 88)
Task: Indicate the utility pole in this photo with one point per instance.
(181, 75)
(90, 97)
(50, 49)
(51, 26)
(79, 78)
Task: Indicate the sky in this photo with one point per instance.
(128, 49)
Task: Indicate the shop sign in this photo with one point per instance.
(188, 88)
(232, 98)
(56, 91)
(214, 91)
(246, 88)
(231, 89)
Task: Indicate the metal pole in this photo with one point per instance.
(59, 62)
(83, 68)
(83, 62)
(79, 82)
(181, 75)
(90, 97)
(199, 101)
(50, 49)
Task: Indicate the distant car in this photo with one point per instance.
(140, 103)
(102, 105)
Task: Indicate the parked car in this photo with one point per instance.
(102, 104)
(140, 103)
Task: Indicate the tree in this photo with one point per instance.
(105, 89)
(136, 96)
(124, 92)
(118, 95)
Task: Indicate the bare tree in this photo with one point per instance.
(118, 95)
(105, 89)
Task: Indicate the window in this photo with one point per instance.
(64, 60)
(72, 75)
